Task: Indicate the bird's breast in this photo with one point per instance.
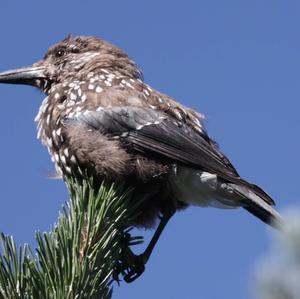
(51, 132)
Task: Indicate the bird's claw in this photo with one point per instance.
(131, 266)
(135, 270)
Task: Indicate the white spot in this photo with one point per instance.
(98, 89)
(69, 110)
(49, 142)
(80, 171)
(102, 77)
(99, 109)
(197, 128)
(105, 71)
(58, 131)
(56, 96)
(60, 106)
(45, 105)
(125, 134)
(72, 84)
(58, 169)
(83, 98)
(70, 115)
(129, 85)
(86, 112)
(79, 92)
(91, 86)
(66, 152)
(68, 169)
(107, 83)
(92, 80)
(78, 109)
(196, 120)
(73, 96)
(48, 119)
(146, 92)
(70, 103)
(160, 100)
(73, 159)
(56, 157)
(63, 159)
(132, 80)
(178, 114)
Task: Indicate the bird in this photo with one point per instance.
(101, 119)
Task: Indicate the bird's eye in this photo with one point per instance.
(60, 53)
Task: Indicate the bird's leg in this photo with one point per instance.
(166, 216)
(139, 261)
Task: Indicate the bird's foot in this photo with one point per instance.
(131, 266)
(136, 268)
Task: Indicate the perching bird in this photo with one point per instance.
(100, 119)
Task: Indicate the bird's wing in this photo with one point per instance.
(151, 132)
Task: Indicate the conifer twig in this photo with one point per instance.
(81, 256)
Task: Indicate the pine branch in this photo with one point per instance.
(83, 253)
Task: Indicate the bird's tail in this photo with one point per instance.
(258, 206)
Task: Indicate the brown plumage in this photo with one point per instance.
(101, 119)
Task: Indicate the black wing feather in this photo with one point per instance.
(152, 132)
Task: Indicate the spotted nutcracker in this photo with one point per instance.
(100, 119)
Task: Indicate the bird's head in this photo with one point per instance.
(73, 59)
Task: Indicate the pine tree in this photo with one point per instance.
(82, 255)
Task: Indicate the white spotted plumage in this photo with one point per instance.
(76, 93)
(98, 89)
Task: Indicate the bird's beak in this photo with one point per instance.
(27, 75)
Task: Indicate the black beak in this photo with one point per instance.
(32, 75)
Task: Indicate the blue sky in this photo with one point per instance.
(235, 61)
